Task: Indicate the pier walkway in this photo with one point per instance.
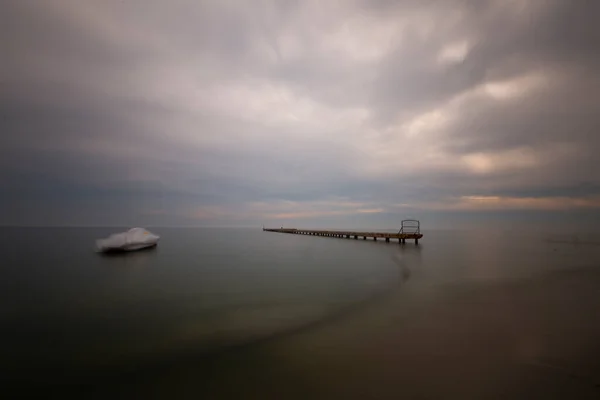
(410, 230)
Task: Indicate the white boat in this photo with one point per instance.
(131, 240)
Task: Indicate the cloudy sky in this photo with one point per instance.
(297, 113)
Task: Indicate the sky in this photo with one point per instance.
(355, 113)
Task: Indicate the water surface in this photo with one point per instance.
(244, 313)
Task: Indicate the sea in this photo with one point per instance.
(242, 313)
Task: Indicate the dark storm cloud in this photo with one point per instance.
(229, 112)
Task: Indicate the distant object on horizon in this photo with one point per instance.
(131, 240)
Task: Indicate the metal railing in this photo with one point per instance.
(410, 226)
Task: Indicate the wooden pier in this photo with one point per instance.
(410, 230)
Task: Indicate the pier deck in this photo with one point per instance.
(411, 232)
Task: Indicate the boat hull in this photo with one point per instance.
(129, 249)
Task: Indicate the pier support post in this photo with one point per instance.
(375, 238)
(387, 240)
(355, 237)
(417, 242)
(364, 238)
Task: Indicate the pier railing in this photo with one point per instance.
(411, 226)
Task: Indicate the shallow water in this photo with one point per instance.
(246, 313)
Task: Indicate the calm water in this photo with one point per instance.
(225, 312)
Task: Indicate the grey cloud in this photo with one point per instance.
(98, 105)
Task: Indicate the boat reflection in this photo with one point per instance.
(136, 258)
